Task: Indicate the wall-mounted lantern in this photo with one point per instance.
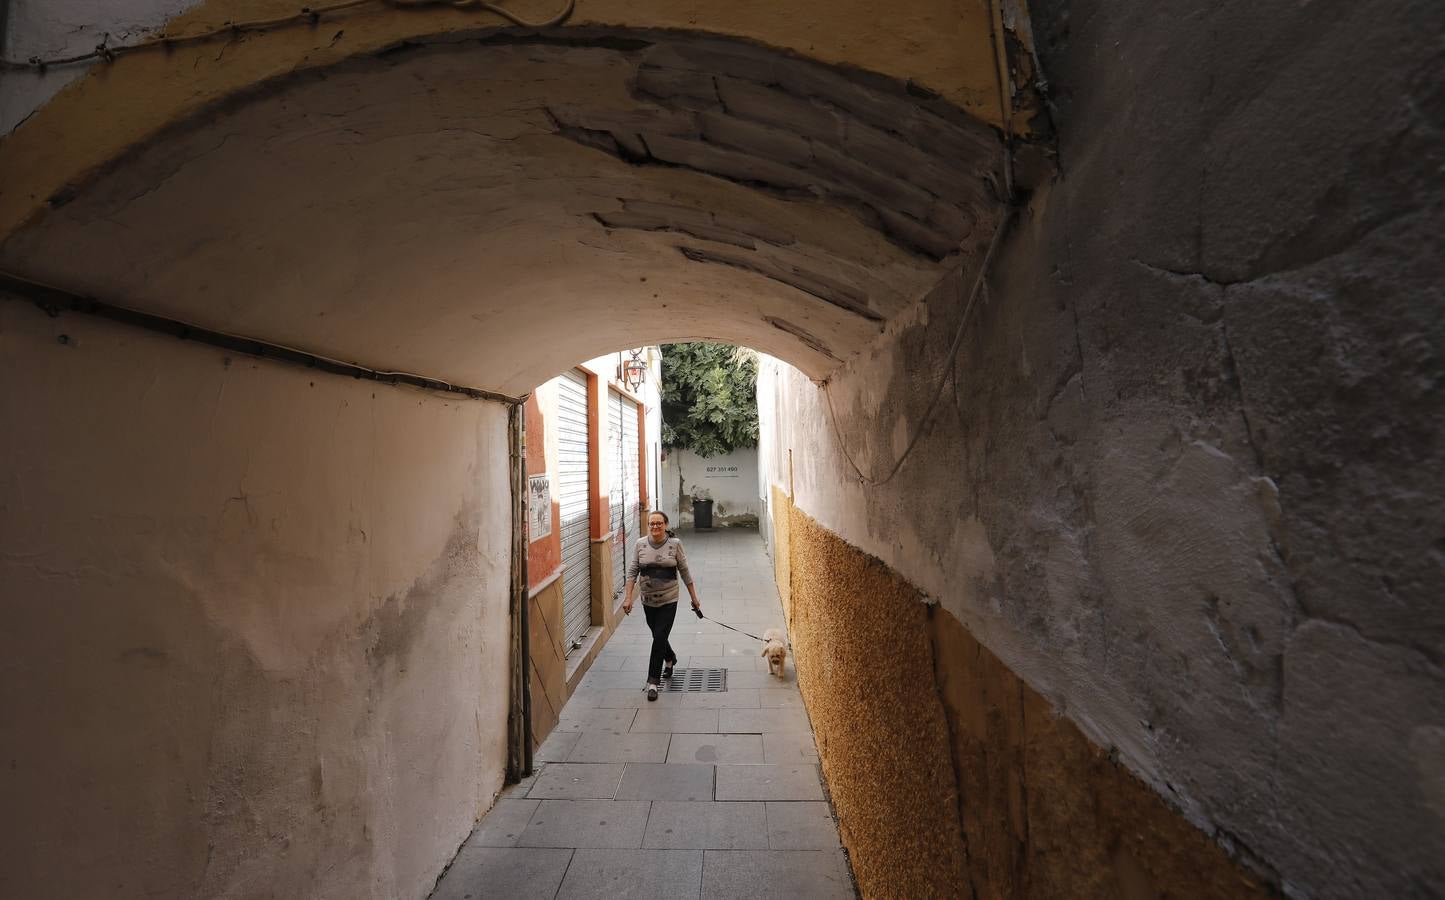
(634, 371)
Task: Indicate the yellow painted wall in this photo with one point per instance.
(943, 45)
(950, 775)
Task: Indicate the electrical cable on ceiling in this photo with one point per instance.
(938, 386)
(308, 15)
(979, 284)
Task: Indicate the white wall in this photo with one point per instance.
(54, 28)
(256, 621)
(731, 480)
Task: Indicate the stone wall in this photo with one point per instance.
(256, 634)
(1178, 477)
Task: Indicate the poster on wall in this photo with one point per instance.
(539, 507)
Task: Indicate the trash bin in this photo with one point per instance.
(702, 515)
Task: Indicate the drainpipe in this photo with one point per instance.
(519, 718)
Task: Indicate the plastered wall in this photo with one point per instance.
(729, 479)
(1179, 477)
(256, 621)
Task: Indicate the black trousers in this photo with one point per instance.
(659, 622)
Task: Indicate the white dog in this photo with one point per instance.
(775, 650)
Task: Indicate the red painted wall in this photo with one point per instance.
(544, 555)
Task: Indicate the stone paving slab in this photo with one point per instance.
(617, 721)
(757, 721)
(780, 700)
(708, 826)
(605, 747)
(623, 698)
(769, 782)
(613, 680)
(557, 745)
(780, 874)
(763, 680)
(782, 748)
(675, 721)
(504, 824)
(713, 794)
(604, 824)
(666, 781)
(798, 826)
(633, 874)
(577, 781)
(743, 698)
(715, 749)
(754, 663)
(522, 873)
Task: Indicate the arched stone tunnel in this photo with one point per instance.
(1116, 418)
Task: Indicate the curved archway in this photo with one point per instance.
(444, 207)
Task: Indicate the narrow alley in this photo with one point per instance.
(699, 793)
(1093, 457)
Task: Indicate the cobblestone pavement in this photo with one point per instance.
(712, 795)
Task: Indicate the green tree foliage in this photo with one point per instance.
(709, 397)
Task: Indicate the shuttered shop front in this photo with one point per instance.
(625, 490)
(572, 496)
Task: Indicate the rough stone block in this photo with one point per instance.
(870, 186)
(755, 140)
(688, 88)
(725, 163)
(781, 110)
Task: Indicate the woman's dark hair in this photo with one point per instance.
(658, 512)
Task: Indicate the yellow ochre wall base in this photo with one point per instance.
(950, 776)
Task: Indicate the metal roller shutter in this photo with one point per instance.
(616, 489)
(632, 464)
(625, 492)
(572, 497)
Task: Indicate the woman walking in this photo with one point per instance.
(659, 561)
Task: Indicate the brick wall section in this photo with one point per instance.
(951, 776)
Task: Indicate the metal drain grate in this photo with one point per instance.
(697, 681)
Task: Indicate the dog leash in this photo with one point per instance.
(727, 626)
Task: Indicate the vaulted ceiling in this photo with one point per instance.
(490, 210)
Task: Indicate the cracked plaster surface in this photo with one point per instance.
(405, 213)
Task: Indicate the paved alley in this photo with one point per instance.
(713, 795)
